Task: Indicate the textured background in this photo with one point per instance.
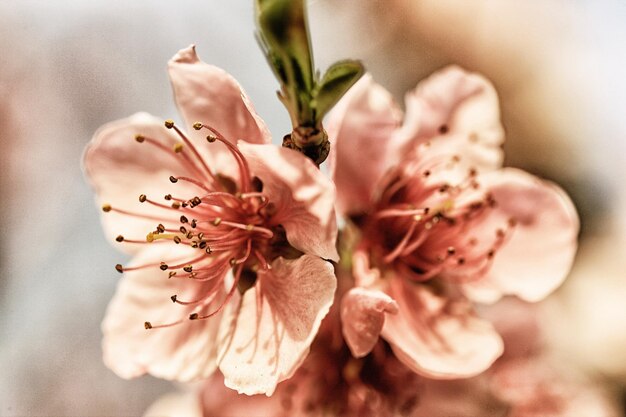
(68, 67)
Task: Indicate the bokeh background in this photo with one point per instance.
(67, 67)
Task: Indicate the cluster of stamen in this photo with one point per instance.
(225, 223)
(423, 227)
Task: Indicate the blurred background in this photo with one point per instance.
(68, 67)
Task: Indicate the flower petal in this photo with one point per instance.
(439, 336)
(207, 94)
(541, 249)
(265, 343)
(302, 195)
(182, 352)
(120, 169)
(453, 100)
(360, 129)
(362, 318)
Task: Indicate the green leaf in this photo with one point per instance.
(336, 82)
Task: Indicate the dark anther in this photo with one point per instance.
(173, 298)
(197, 125)
(177, 240)
(443, 129)
(147, 325)
(163, 266)
(193, 316)
(183, 230)
(142, 198)
(119, 238)
(119, 268)
(106, 208)
(184, 219)
(169, 123)
(139, 138)
(168, 197)
(188, 268)
(193, 223)
(173, 179)
(160, 228)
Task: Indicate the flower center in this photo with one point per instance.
(423, 226)
(227, 224)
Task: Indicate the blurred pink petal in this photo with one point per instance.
(455, 101)
(437, 335)
(303, 198)
(546, 230)
(360, 129)
(363, 315)
(264, 343)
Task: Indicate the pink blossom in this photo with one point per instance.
(439, 223)
(229, 239)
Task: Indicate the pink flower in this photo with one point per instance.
(229, 240)
(440, 224)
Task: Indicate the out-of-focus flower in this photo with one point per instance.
(261, 212)
(441, 224)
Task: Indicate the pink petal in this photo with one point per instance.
(182, 352)
(210, 95)
(120, 169)
(362, 317)
(454, 101)
(438, 336)
(302, 195)
(360, 129)
(261, 347)
(541, 249)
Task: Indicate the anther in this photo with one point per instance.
(461, 261)
(177, 240)
(160, 228)
(119, 238)
(217, 221)
(163, 266)
(193, 316)
(197, 125)
(202, 244)
(426, 173)
(211, 138)
(168, 197)
(491, 253)
(183, 230)
(512, 222)
(200, 235)
(169, 123)
(178, 148)
(173, 179)
(147, 325)
(173, 298)
(119, 268)
(106, 208)
(451, 250)
(193, 223)
(184, 219)
(176, 205)
(171, 274)
(500, 233)
(208, 250)
(443, 129)
(189, 235)
(139, 138)
(188, 268)
(142, 198)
